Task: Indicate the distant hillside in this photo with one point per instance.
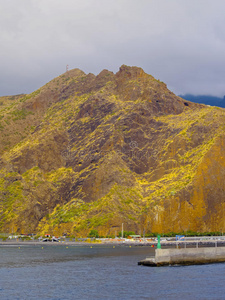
(90, 152)
(205, 99)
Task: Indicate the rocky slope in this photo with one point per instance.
(91, 152)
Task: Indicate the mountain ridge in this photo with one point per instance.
(205, 99)
(92, 152)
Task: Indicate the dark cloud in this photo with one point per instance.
(179, 42)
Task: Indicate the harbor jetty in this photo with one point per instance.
(185, 256)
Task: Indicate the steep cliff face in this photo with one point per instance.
(88, 151)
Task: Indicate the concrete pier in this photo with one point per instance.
(185, 256)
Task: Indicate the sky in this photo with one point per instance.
(180, 42)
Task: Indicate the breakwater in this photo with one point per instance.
(185, 256)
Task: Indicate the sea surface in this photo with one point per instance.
(101, 272)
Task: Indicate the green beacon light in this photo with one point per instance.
(158, 244)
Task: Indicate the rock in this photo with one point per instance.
(92, 152)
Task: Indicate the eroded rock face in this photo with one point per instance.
(91, 152)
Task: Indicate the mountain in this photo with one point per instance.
(205, 99)
(92, 152)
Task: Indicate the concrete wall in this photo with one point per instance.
(189, 255)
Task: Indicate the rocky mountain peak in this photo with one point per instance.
(75, 73)
(130, 72)
(91, 152)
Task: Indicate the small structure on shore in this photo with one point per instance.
(134, 236)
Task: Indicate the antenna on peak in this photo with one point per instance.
(67, 68)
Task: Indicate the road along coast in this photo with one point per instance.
(197, 243)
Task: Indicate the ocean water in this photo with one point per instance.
(101, 272)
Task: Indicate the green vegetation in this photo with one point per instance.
(186, 233)
(3, 237)
(11, 198)
(93, 234)
(126, 233)
(20, 114)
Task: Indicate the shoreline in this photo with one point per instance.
(164, 244)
